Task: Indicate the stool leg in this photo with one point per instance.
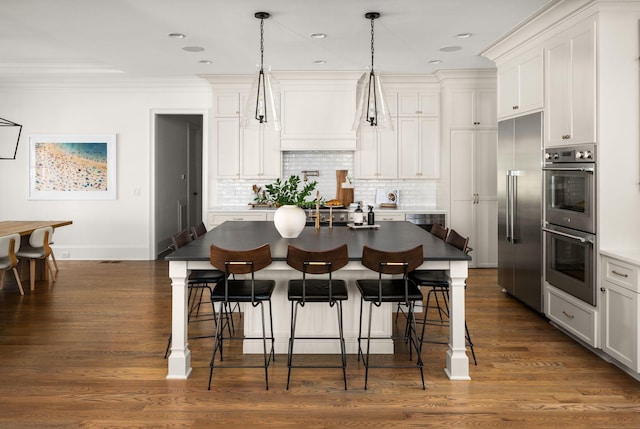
(294, 317)
(342, 344)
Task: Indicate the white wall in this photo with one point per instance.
(113, 229)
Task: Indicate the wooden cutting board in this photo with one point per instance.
(343, 194)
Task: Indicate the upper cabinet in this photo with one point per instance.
(520, 85)
(472, 108)
(571, 86)
(418, 103)
(241, 151)
(377, 154)
(418, 148)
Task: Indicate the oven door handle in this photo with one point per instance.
(580, 169)
(564, 234)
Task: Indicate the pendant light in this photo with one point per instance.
(262, 107)
(371, 110)
(9, 133)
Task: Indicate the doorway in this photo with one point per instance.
(178, 176)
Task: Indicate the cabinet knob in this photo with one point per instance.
(602, 289)
(566, 137)
(515, 107)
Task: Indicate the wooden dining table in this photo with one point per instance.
(26, 227)
(391, 236)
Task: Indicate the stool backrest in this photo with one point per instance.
(198, 230)
(439, 231)
(385, 262)
(458, 241)
(181, 239)
(240, 261)
(317, 262)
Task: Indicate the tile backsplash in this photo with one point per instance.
(238, 192)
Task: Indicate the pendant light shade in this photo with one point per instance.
(9, 138)
(262, 104)
(371, 108)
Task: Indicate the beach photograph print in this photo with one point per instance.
(72, 167)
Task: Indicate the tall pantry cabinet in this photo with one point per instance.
(470, 135)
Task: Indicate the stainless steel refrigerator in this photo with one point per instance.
(520, 208)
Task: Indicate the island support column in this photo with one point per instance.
(180, 357)
(457, 360)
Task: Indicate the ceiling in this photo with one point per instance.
(129, 38)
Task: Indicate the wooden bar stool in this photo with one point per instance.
(391, 289)
(248, 291)
(312, 289)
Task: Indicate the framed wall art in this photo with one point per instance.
(72, 167)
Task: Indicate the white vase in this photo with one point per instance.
(289, 221)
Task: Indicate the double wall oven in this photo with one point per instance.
(570, 220)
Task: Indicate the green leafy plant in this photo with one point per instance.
(286, 192)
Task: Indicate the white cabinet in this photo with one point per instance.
(216, 218)
(418, 103)
(521, 84)
(571, 86)
(251, 152)
(260, 153)
(620, 306)
(474, 203)
(472, 108)
(418, 148)
(572, 314)
(377, 154)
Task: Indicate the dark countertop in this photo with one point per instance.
(391, 236)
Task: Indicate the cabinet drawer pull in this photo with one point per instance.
(387, 218)
(570, 316)
(238, 218)
(566, 137)
(619, 274)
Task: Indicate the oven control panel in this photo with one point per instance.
(583, 153)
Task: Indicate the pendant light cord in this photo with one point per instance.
(261, 43)
(372, 19)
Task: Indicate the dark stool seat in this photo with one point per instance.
(316, 290)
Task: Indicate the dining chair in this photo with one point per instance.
(248, 291)
(312, 289)
(438, 283)
(38, 248)
(197, 282)
(9, 245)
(392, 286)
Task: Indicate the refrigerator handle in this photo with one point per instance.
(508, 209)
(514, 205)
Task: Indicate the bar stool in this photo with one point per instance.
(317, 290)
(249, 291)
(438, 283)
(390, 289)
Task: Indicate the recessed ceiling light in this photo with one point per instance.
(435, 61)
(450, 48)
(463, 35)
(177, 35)
(319, 62)
(205, 61)
(317, 35)
(193, 48)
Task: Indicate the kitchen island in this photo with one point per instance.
(391, 236)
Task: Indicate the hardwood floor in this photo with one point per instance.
(87, 352)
